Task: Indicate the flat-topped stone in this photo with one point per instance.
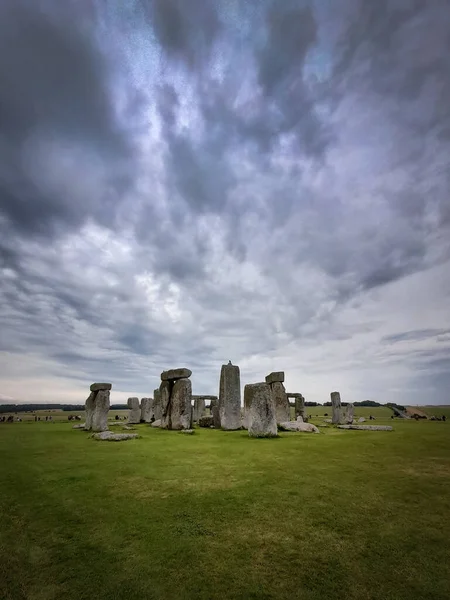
(173, 374)
(260, 410)
(96, 387)
(298, 426)
(134, 414)
(197, 397)
(276, 376)
(367, 427)
(292, 395)
(110, 436)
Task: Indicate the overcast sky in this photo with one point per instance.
(187, 182)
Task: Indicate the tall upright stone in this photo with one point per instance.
(214, 408)
(280, 399)
(89, 408)
(165, 390)
(349, 415)
(157, 404)
(230, 397)
(134, 413)
(336, 407)
(181, 405)
(101, 409)
(147, 412)
(300, 407)
(199, 409)
(260, 410)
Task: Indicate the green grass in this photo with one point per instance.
(438, 411)
(342, 515)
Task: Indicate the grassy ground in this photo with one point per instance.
(341, 515)
(438, 411)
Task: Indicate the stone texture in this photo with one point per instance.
(173, 374)
(79, 426)
(203, 397)
(214, 407)
(187, 431)
(157, 413)
(109, 436)
(147, 412)
(165, 389)
(89, 408)
(367, 427)
(96, 387)
(281, 402)
(260, 410)
(299, 419)
(134, 414)
(101, 409)
(230, 397)
(276, 376)
(156, 423)
(361, 420)
(336, 407)
(298, 426)
(181, 408)
(300, 407)
(198, 409)
(349, 413)
(206, 421)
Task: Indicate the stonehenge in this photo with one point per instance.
(349, 415)
(157, 404)
(176, 399)
(97, 407)
(134, 413)
(199, 409)
(280, 399)
(230, 397)
(336, 408)
(260, 410)
(299, 405)
(214, 408)
(147, 410)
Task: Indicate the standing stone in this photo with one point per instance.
(101, 409)
(157, 404)
(350, 413)
(300, 407)
(281, 402)
(199, 409)
(147, 410)
(336, 407)
(89, 408)
(214, 408)
(230, 397)
(181, 405)
(164, 392)
(134, 414)
(260, 410)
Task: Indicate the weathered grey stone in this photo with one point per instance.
(281, 402)
(260, 410)
(299, 419)
(298, 426)
(349, 413)
(147, 412)
(156, 423)
(173, 374)
(89, 408)
(181, 406)
(96, 387)
(366, 427)
(336, 407)
(276, 376)
(157, 412)
(79, 426)
(361, 420)
(206, 421)
(203, 397)
(101, 409)
(165, 390)
(230, 397)
(109, 436)
(327, 421)
(198, 409)
(299, 406)
(134, 412)
(187, 431)
(214, 407)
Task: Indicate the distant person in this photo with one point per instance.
(117, 417)
(35, 418)
(444, 418)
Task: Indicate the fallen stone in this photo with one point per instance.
(328, 421)
(134, 414)
(260, 410)
(109, 436)
(298, 426)
(207, 421)
(181, 409)
(367, 427)
(79, 426)
(173, 374)
(156, 423)
(187, 431)
(276, 376)
(361, 420)
(96, 387)
(322, 425)
(101, 409)
(230, 397)
(280, 400)
(128, 428)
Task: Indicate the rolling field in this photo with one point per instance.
(341, 515)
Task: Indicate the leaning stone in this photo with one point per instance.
(79, 426)
(187, 431)
(260, 410)
(96, 387)
(367, 427)
(207, 421)
(134, 414)
(298, 426)
(165, 390)
(336, 406)
(109, 436)
(173, 374)
(281, 402)
(156, 423)
(101, 409)
(276, 376)
(181, 409)
(230, 397)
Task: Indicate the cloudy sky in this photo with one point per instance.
(184, 182)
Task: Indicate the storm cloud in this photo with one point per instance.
(188, 183)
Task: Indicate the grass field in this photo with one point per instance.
(344, 514)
